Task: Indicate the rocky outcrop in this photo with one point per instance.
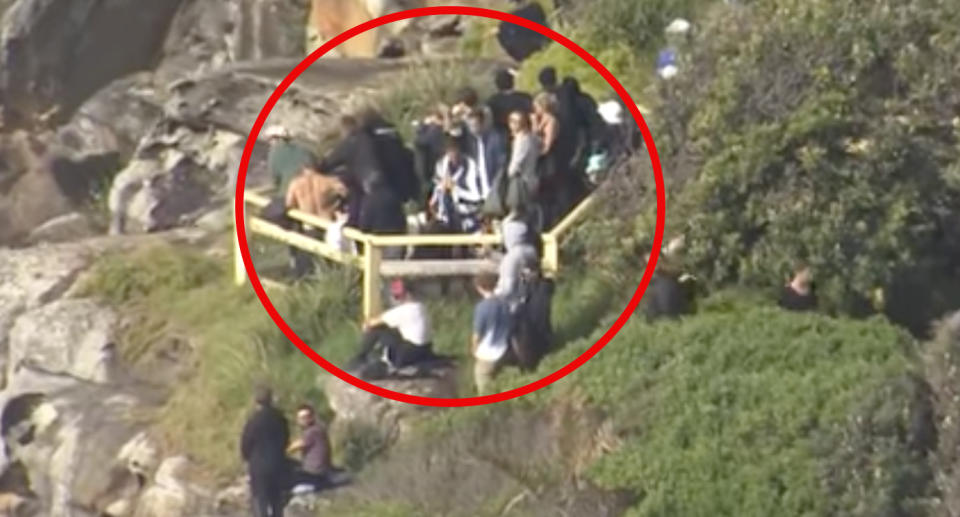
(54, 54)
(352, 405)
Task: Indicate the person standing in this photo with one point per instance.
(522, 179)
(285, 159)
(487, 148)
(490, 339)
(317, 195)
(314, 449)
(381, 213)
(551, 166)
(520, 255)
(458, 192)
(506, 101)
(263, 448)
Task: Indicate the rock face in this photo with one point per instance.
(59, 52)
(353, 405)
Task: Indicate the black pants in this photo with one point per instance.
(303, 263)
(267, 491)
(317, 481)
(399, 351)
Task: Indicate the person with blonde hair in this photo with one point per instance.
(546, 125)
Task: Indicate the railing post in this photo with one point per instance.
(239, 271)
(551, 253)
(371, 280)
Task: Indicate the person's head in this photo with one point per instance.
(519, 122)
(348, 124)
(277, 134)
(514, 232)
(369, 117)
(503, 80)
(485, 284)
(262, 395)
(401, 291)
(548, 78)
(451, 149)
(802, 275)
(468, 97)
(306, 416)
(545, 103)
(571, 84)
(477, 121)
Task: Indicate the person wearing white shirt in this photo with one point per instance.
(402, 334)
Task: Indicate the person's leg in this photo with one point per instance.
(258, 497)
(277, 500)
(483, 372)
(368, 342)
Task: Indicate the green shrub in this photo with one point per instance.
(762, 412)
(817, 131)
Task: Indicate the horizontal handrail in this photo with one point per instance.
(303, 242)
(261, 201)
(571, 218)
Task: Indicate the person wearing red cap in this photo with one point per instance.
(402, 333)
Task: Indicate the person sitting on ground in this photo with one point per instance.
(459, 192)
(799, 293)
(506, 101)
(487, 148)
(490, 340)
(520, 255)
(401, 335)
(263, 447)
(317, 195)
(382, 213)
(313, 446)
(286, 159)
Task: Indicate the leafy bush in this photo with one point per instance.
(942, 361)
(824, 132)
(762, 412)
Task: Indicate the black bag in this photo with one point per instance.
(519, 42)
(532, 330)
(496, 203)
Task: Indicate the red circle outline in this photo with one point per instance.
(436, 401)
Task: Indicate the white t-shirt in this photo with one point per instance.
(411, 320)
(337, 241)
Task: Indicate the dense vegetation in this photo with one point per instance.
(816, 130)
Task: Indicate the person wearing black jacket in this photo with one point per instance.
(263, 447)
(506, 101)
(396, 160)
(382, 213)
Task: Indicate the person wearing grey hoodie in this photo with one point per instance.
(520, 255)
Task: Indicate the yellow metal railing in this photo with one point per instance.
(370, 258)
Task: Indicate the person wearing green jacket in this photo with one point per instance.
(286, 158)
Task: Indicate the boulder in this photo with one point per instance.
(65, 228)
(170, 495)
(56, 53)
(72, 337)
(73, 439)
(207, 35)
(353, 405)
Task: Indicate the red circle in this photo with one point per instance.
(435, 401)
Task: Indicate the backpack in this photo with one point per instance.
(398, 163)
(532, 335)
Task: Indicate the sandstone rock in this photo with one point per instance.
(170, 495)
(351, 404)
(207, 35)
(65, 337)
(59, 52)
(70, 227)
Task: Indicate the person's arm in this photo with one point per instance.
(521, 147)
(247, 440)
(467, 190)
(291, 198)
(474, 343)
(296, 446)
(338, 157)
(551, 130)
